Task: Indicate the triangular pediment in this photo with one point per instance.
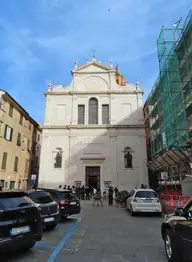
(94, 67)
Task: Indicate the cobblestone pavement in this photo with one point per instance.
(105, 234)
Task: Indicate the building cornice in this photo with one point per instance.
(8, 98)
(112, 92)
(93, 72)
(92, 126)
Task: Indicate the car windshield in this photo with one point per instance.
(11, 203)
(146, 194)
(67, 196)
(40, 197)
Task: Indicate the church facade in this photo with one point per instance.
(93, 131)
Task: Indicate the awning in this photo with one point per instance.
(168, 159)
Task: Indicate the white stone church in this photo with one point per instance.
(93, 132)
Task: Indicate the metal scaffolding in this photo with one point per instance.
(167, 112)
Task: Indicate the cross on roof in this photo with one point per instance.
(94, 51)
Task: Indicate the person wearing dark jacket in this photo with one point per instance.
(116, 191)
(110, 192)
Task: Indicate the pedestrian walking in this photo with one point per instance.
(65, 187)
(83, 192)
(87, 195)
(116, 192)
(78, 192)
(1, 188)
(60, 186)
(91, 192)
(110, 193)
(98, 198)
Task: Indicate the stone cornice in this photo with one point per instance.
(92, 126)
(93, 72)
(111, 92)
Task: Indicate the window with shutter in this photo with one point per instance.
(4, 161)
(16, 164)
(8, 133)
(93, 111)
(21, 120)
(105, 114)
(10, 110)
(81, 114)
(19, 139)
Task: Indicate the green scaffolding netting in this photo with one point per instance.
(170, 101)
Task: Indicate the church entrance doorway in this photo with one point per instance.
(92, 176)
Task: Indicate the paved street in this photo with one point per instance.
(106, 234)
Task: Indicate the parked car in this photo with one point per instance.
(49, 209)
(20, 221)
(143, 200)
(176, 231)
(69, 204)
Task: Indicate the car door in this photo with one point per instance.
(183, 229)
(187, 230)
(130, 198)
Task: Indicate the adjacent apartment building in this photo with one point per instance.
(18, 136)
(169, 104)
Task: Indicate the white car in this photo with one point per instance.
(143, 200)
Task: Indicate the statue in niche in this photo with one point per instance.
(128, 159)
(58, 159)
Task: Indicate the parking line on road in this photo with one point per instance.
(44, 245)
(58, 248)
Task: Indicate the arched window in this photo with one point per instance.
(93, 111)
(128, 158)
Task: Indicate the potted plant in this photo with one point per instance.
(122, 198)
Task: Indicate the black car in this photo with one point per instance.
(69, 204)
(49, 209)
(176, 232)
(20, 222)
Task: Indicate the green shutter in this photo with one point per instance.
(5, 131)
(4, 161)
(11, 135)
(16, 164)
(19, 139)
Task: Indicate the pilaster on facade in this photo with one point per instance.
(74, 106)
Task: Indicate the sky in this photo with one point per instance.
(40, 40)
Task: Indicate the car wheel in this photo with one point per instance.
(172, 251)
(51, 226)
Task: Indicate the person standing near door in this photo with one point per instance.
(110, 193)
(116, 191)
